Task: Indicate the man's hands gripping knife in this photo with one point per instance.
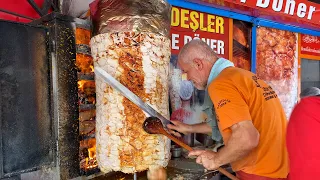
(244, 138)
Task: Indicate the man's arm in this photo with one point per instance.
(181, 127)
(233, 114)
(244, 138)
(203, 128)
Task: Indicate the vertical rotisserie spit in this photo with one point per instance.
(132, 45)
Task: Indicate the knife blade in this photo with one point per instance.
(130, 95)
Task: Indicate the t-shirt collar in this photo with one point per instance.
(216, 69)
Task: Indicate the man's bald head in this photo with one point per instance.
(197, 49)
(196, 59)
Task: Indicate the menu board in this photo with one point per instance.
(190, 24)
(310, 46)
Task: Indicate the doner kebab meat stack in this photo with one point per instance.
(132, 45)
(174, 88)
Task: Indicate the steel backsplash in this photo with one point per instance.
(26, 133)
(65, 90)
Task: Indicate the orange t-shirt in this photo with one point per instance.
(238, 95)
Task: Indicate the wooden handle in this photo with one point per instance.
(176, 140)
(185, 146)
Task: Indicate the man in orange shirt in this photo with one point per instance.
(249, 114)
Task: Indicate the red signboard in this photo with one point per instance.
(296, 12)
(189, 24)
(21, 7)
(310, 45)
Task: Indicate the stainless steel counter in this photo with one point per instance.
(178, 169)
(190, 170)
(181, 168)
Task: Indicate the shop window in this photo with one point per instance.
(310, 73)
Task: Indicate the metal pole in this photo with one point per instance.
(254, 48)
(135, 176)
(15, 14)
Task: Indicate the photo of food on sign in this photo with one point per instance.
(230, 39)
(242, 44)
(277, 63)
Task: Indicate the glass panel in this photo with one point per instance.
(310, 73)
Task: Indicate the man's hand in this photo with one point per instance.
(180, 127)
(206, 158)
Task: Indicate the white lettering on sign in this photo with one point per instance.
(175, 41)
(216, 45)
(309, 49)
(243, 1)
(277, 5)
(263, 3)
(186, 39)
(302, 9)
(220, 49)
(311, 10)
(290, 7)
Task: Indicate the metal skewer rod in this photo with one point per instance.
(135, 176)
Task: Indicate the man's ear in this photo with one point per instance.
(198, 64)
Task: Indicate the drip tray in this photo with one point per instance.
(178, 169)
(183, 168)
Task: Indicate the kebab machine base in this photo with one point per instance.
(180, 167)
